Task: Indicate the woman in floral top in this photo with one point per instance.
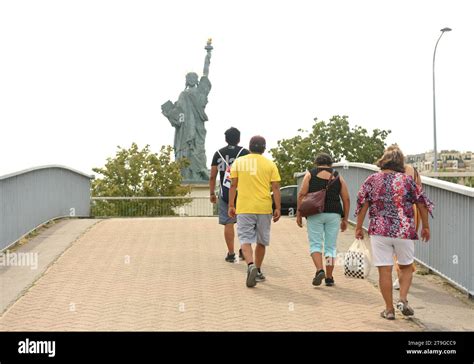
(389, 196)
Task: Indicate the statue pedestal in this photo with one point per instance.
(200, 204)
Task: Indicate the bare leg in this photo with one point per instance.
(329, 266)
(248, 252)
(385, 283)
(406, 277)
(229, 237)
(317, 260)
(397, 267)
(259, 255)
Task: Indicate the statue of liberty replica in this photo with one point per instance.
(187, 116)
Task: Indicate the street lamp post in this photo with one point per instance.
(434, 100)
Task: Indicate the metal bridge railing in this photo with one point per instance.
(32, 197)
(152, 206)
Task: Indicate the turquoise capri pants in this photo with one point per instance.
(323, 229)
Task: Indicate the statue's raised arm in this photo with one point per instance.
(207, 60)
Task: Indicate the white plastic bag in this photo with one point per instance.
(357, 260)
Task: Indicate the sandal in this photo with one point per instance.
(389, 315)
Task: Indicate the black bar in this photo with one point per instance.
(138, 347)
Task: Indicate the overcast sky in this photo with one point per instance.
(78, 78)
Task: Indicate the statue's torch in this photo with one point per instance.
(209, 46)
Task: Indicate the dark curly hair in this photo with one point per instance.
(323, 159)
(232, 136)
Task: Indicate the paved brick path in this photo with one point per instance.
(169, 274)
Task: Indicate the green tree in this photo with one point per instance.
(136, 172)
(335, 137)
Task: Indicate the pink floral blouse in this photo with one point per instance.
(391, 197)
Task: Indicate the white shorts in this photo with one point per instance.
(384, 248)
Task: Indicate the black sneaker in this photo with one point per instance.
(329, 282)
(230, 258)
(241, 255)
(260, 277)
(252, 272)
(318, 278)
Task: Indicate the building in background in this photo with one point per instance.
(448, 161)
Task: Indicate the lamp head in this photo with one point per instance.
(446, 29)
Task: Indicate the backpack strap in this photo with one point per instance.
(240, 151)
(334, 177)
(225, 161)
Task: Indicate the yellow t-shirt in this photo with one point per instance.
(255, 174)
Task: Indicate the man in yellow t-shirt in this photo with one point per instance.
(253, 175)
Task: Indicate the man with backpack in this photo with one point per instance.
(222, 162)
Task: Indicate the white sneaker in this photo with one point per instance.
(396, 285)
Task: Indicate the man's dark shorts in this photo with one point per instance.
(224, 218)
